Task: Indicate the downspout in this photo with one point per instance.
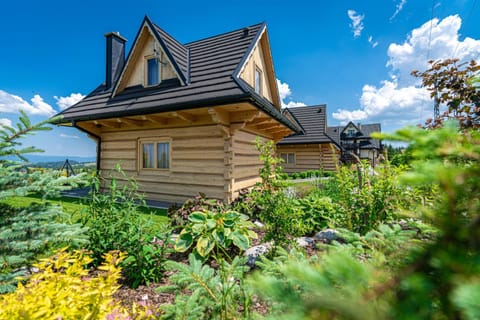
(99, 142)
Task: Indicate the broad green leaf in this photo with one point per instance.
(232, 215)
(219, 236)
(198, 228)
(229, 223)
(240, 240)
(183, 242)
(252, 234)
(205, 244)
(211, 224)
(197, 217)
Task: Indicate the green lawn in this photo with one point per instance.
(74, 207)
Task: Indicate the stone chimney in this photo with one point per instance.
(115, 58)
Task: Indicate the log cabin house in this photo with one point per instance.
(181, 118)
(312, 148)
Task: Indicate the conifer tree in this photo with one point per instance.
(34, 231)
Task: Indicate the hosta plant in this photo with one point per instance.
(215, 232)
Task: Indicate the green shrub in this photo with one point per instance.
(318, 212)
(282, 219)
(205, 293)
(63, 289)
(116, 224)
(366, 198)
(215, 233)
(397, 271)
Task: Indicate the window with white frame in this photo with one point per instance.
(152, 71)
(154, 154)
(288, 157)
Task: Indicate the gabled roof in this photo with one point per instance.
(209, 65)
(176, 52)
(313, 120)
(365, 130)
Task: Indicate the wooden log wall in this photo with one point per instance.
(246, 161)
(197, 162)
(309, 157)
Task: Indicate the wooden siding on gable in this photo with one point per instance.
(135, 72)
(257, 60)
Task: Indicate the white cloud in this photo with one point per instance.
(357, 22)
(435, 39)
(293, 104)
(345, 116)
(10, 103)
(67, 136)
(284, 92)
(65, 102)
(389, 103)
(283, 89)
(398, 8)
(399, 100)
(373, 43)
(5, 122)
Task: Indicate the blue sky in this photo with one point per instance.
(355, 56)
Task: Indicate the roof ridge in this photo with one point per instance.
(169, 35)
(223, 34)
(181, 73)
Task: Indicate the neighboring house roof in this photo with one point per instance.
(208, 69)
(313, 120)
(334, 133)
(365, 130)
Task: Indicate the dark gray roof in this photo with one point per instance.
(366, 131)
(175, 50)
(334, 133)
(313, 120)
(209, 65)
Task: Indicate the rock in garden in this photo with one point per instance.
(305, 242)
(254, 252)
(258, 224)
(327, 236)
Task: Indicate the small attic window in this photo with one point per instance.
(152, 71)
(258, 80)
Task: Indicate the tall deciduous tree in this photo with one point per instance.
(453, 84)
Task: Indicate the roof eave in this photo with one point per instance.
(167, 108)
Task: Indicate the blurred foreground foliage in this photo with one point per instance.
(390, 273)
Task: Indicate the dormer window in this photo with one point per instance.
(258, 80)
(152, 73)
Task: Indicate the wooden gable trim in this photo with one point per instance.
(261, 37)
(128, 63)
(348, 125)
(169, 55)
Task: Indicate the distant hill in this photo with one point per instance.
(36, 158)
(45, 158)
